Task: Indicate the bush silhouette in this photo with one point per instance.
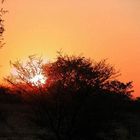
(82, 99)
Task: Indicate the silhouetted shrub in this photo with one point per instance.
(83, 98)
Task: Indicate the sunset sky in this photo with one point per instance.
(94, 28)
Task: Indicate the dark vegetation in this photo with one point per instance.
(81, 100)
(2, 29)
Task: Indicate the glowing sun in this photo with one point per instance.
(29, 72)
(38, 80)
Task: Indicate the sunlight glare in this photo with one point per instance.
(38, 80)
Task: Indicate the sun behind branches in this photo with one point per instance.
(29, 72)
(38, 80)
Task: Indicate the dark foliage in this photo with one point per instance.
(2, 29)
(82, 100)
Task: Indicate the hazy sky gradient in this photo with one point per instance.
(95, 28)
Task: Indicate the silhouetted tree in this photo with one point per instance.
(78, 91)
(79, 99)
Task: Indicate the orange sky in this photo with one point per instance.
(95, 28)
